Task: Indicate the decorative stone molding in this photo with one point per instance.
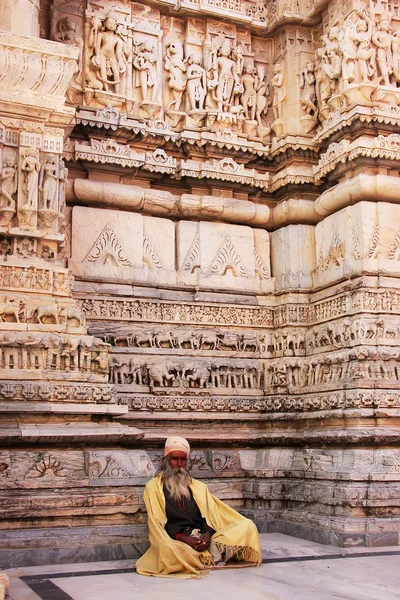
(107, 151)
(225, 169)
(382, 146)
(36, 73)
(162, 203)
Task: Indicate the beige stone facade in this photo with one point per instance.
(199, 233)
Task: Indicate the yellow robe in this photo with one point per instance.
(170, 558)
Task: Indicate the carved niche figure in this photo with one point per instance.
(145, 65)
(364, 67)
(328, 67)
(196, 82)
(8, 179)
(31, 167)
(62, 183)
(279, 91)
(224, 80)
(48, 183)
(396, 58)
(307, 85)
(262, 104)
(248, 99)
(176, 67)
(108, 52)
(382, 39)
(66, 33)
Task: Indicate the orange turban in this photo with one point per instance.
(174, 443)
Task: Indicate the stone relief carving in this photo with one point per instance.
(48, 466)
(170, 376)
(35, 278)
(8, 189)
(196, 84)
(55, 352)
(138, 310)
(357, 62)
(108, 61)
(191, 340)
(322, 401)
(175, 65)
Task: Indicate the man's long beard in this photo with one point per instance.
(177, 482)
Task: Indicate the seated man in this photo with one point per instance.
(190, 530)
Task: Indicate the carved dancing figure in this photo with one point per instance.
(382, 39)
(48, 183)
(145, 63)
(31, 167)
(175, 65)
(361, 35)
(196, 87)
(8, 179)
(332, 59)
(307, 85)
(109, 49)
(279, 91)
(248, 99)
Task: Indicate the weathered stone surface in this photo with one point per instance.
(293, 256)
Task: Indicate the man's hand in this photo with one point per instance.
(189, 540)
(204, 542)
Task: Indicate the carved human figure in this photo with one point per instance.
(279, 91)
(66, 33)
(248, 99)
(196, 87)
(176, 67)
(262, 98)
(396, 57)
(145, 65)
(382, 39)
(224, 75)
(322, 80)
(8, 179)
(331, 60)
(62, 183)
(307, 85)
(109, 50)
(48, 183)
(31, 167)
(361, 34)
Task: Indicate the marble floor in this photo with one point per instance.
(292, 569)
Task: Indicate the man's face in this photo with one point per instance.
(177, 460)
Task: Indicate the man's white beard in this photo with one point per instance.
(177, 482)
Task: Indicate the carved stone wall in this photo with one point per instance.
(199, 234)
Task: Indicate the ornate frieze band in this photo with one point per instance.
(326, 401)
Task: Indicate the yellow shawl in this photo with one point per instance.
(170, 558)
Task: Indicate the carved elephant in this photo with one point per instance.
(200, 374)
(160, 374)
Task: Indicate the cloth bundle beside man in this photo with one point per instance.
(190, 530)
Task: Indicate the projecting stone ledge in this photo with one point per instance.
(69, 432)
